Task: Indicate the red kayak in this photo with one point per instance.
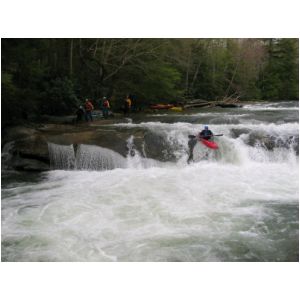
(209, 144)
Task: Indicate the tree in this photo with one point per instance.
(280, 76)
(51, 76)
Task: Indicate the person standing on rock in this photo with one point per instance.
(191, 143)
(89, 107)
(105, 107)
(127, 105)
(80, 113)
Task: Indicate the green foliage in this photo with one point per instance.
(49, 76)
(10, 107)
(280, 77)
(159, 84)
(58, 97)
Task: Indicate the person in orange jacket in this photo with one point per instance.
(127, 105)
(89, 107)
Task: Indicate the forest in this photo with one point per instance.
(53, 76)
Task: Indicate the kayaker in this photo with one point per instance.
(206, 133)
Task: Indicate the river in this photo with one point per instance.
(238, 203)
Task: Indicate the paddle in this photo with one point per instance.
(194, 136)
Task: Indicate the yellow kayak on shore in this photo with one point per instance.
(176, 108)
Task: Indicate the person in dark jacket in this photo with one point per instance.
(79, 113)
(206, 133)
(191, 143)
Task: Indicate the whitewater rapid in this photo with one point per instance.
(240, 204)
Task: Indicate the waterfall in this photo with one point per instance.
(240, 143)
(167, 144)
(61, 157)
(135, 159)
(89, 157)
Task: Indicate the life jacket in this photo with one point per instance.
(206, 134)
(128, 102)
(106, 104)
(89, 106)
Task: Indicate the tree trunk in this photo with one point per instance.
(187, 73)
(71, 58)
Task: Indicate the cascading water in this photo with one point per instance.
(238, 203)
(135, 160)
(98, 158)
(87, 157)
(265, 142)
(61, 156)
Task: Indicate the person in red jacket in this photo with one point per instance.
(105, 107)
(88, 110)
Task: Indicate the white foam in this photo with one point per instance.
(130, 214)
(239, 204)
(270, 106)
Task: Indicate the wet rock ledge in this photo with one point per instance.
(26, 147)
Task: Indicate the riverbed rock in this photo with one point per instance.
(10, 134)
(237, 132)
(33, 147)
(28, 146)
(156, 147)
(25, 164)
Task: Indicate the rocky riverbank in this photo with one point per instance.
(26, 147)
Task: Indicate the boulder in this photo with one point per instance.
(24, 164)
(26, 148)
